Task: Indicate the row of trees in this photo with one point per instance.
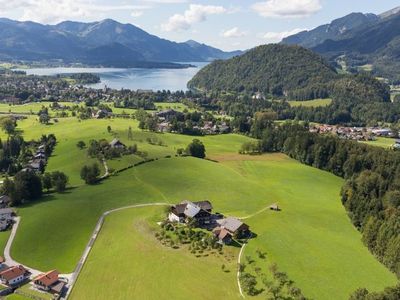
(371, 193)
(27, 185)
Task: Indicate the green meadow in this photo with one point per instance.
(311, 239)
(381, 142)
(155, 271)
(311, 103)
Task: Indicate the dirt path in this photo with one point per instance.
(238, 272)
(107, 173)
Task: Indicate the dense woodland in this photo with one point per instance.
(371, 193)
(276, 70)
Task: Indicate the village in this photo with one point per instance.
(357, 133)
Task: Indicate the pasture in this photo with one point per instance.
(311, 103)
(165, 271)
(311, 239)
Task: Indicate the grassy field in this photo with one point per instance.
(311, 103)
(167, 274)
(312, 238)
(381, 142)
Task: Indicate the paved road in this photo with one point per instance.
(7, 256)
(73, 276)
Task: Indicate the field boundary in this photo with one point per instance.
(96, 231)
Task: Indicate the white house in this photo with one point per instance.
(14, 275)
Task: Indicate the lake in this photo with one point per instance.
(134, 79)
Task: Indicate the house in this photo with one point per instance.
(14, 275)
(164, 127)
(49, 282)
(223, 235)
(4, 201)
(168, 114)
(40, 155)
(115, 143)
(234, 226)
(200, 211)
(101, 114)
(6, 213)
(274, 207)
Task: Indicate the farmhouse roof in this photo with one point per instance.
(13, 272)
(4, 211)
(191, 210)
(116, 142)
(206, 205)
(48, 278)
(230, 223)
(179, 209)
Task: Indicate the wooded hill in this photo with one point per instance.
(278, 70)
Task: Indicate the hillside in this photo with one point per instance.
(358, 40)
(106, 43)
(278, 70)
(332, 31)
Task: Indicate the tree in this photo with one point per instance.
(81, 145)
(59, 181)
(109, 129)
(28, 187)
(8, 125)
(44, 118)
(130, 134)
(196, 149)
(90, 173)
(47, 181)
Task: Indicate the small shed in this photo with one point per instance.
(274, 207)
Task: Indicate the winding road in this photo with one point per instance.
(72, 277)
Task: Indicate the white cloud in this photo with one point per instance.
(235, 32)
(54, 11)
(137, 13)
(287, 8)
(274, 37)
(195, 14)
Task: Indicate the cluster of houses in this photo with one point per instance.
(39, 160)
(224, 228)
(354, 133)
(15, 276)
(166, 116)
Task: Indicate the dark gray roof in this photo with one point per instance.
(6, 211)
(206, 205)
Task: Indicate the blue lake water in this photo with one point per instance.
(146, 79)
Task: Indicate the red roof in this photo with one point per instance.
(13, 272)
(47, 279)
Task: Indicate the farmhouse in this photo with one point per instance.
(234, 226)
(14, 275)
(223, 235)
(115, 143)
(6, 213)
(167, 115)
(49, 282)
(186, 210)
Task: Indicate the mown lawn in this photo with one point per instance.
(311, 103)
(152, 271)
(381, 142)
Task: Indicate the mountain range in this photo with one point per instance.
(359, 42)
(106, 43)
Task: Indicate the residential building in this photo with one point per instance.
(14, 275)
(49, 282)
(234, 226)
(115, 143)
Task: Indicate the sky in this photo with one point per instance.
(225, 24)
